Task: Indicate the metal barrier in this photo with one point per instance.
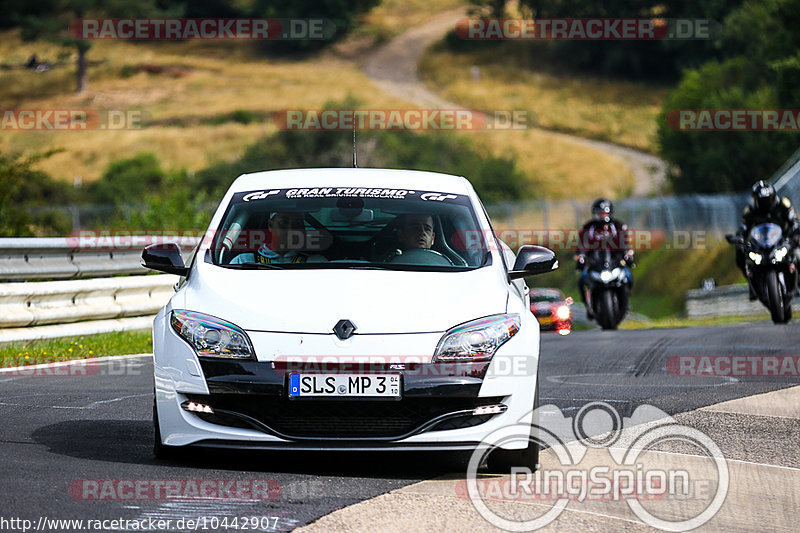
(73, 257)
(60, 302)
(729, 300)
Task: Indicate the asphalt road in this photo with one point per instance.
(57, 431)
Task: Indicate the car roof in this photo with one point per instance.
(353, 177)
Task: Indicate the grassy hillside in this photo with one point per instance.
(616, 111)
(207, 101)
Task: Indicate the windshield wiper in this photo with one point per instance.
(254, 266)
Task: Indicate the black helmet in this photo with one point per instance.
(602, 209)
(764, 197)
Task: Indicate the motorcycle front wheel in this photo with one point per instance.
(775, 297)
(608, 310)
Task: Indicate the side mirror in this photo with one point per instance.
(164, 258)
(532, 260)
(734, 239)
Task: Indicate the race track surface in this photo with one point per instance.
(58, 431)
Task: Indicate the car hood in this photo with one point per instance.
(376, 301)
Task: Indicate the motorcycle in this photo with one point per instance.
(606, 288)
(770, 268)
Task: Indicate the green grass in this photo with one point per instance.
(70, 348)
(683, 322)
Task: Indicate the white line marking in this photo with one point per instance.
(707, 457)
(80, 407)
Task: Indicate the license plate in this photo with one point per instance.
(344, 386)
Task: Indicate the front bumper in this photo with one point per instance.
(252, 409)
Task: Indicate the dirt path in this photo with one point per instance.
(393, 67)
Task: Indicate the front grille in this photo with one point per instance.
(340, 419)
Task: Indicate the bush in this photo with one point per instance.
(339, 14)
(126, 179)
(25, 196)
(494, 178)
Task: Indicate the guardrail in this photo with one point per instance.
(60, 302)
(729, 300)
(29, 304)
(74, 257)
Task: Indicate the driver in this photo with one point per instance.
(415, 231)
(288, 242)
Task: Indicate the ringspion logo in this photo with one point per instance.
(598, 455)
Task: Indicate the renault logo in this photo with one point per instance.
(344, 329)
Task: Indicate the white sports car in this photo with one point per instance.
(347, 309)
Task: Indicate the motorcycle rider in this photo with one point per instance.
(768, 207)
(611, 233)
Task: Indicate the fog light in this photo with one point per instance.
(489, 410)
(196, 407)
(563, 331)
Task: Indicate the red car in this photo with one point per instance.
(552, 310)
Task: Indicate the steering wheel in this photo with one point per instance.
(422, 256)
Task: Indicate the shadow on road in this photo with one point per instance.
(131, 442)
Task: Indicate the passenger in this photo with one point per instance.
(288, 243)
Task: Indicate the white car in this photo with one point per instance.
(347, 309)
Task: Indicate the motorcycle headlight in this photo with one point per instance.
(477, 340)
(780, 253)
(755, 257)
(608, 275)
(562, 312)
(211, 336)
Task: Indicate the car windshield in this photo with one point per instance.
(347, 227)
(547, 297)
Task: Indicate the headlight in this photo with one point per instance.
(563, 312)
(756, 258)
(211, 336)
(780, 253)
(477, 340)
(606, 275)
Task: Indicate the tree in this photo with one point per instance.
(50, 20)
(760, 69)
